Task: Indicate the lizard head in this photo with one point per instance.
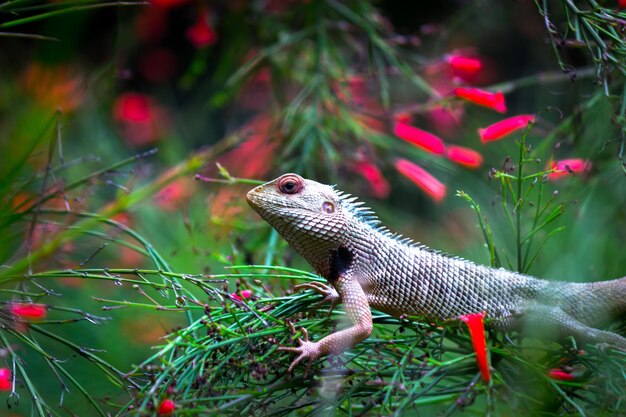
(302, 210)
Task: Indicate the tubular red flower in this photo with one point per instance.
(560, 375)
(565, 167)
(379, 186)
(166, 407)
(483, 98)
(505, 127)
(5, 379)
(464, 156)
(477, 332)
(420, 138)
(28, 311)
(431, 185)
(464, 67)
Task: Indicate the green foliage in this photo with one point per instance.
(71, 177)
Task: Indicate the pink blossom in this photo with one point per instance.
(429, 184)
(166, 407)
(464, 67)
(560, 375)
(505, 127)
(28, 311)
(565, 167)
(379, 186)
(420, 138)
(464, 156)
(494, 101)
(5, 379)
(245, 294)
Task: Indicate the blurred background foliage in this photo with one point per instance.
(109, 109)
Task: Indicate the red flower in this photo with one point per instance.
(431, 185)
(483, 98)
(565, 167)
(477, 332)
(505, 127)
(420, 138)
(245, 294)
(464, 67)
(621, 4)
(464, 156)
(170, 197)
(5, 379)
(560, 375)
(168, 3)
(166, 407)
(28, 311)
(141, 119)
(202, 34)
(378, 184)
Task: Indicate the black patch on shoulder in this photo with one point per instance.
(340, 260)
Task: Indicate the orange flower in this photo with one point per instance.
(505, 127)
(202, 34)
(477, 332)
(464, 67)
(483, 98)
(464, 156)
(378, 184)
(420, 138)
(431, 185)
(565, 167)
(28, 311)
(54, 87)
(560, 375)
(5, 379)
(166, 407)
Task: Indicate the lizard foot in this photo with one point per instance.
(307, 350)
(329, 293)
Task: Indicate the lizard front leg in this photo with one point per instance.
(329, 293)
(358, 311)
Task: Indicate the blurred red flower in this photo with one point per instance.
(420, 138)
(621, 4)
(477, 332)
(560, 375)
(431, 185)
(464, 156)
(379, 186)
(465, 67)
(565, 167)
(172, 195)
(28, 311)
(166, 407)
(483, 98)
(5, 379)
(505, 127)
(446, 119)
(142, 120)
(168, 3)
(245, 294)
(202, 34)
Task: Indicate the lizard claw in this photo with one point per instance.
(329, 293)
(307, 350)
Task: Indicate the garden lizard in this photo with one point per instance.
(368, 266)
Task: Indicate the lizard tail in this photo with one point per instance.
(612, 293)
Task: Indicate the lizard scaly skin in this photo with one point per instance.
(368, 266)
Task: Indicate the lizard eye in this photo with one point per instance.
(290, 184)
(328, 207)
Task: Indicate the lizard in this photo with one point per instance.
(367, 267)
